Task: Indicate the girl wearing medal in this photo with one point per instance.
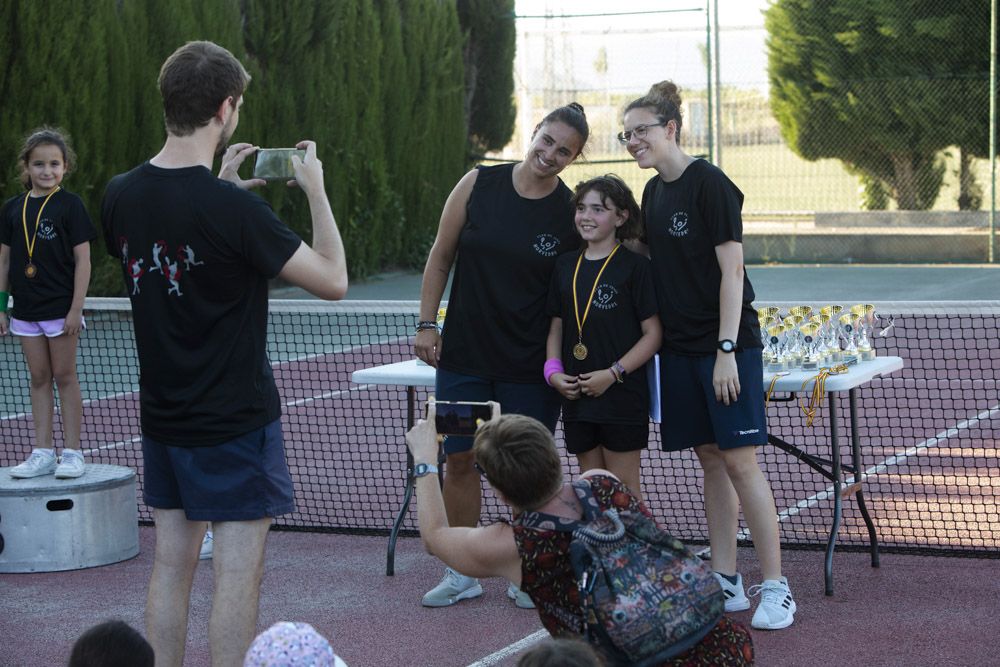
(604, 329)
(711, 382)
(45, 238)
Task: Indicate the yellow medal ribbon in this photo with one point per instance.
(580, 350)
(818, 390)
(29, 269)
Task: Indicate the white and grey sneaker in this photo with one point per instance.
(736, 599)
(520, 598)
(777, 608)
(207, 546)
(453, 587)
(71, 464)
(41, 462)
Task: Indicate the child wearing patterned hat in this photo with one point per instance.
(288, 644)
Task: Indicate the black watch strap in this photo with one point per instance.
(727, 345)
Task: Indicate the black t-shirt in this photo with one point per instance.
(623, 299)
(196, 254)
(685, 220)
(64, 224)
(496, 325)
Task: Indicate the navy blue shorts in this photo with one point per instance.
(691, 414)
(582, 437)
(521, 398)
(243, 479)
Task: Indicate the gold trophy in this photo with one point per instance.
(864, 314)
(772, 348)
(848, 332)
(832, 313)
(810, 346)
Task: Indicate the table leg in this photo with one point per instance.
(390, 557)
(858, 480)
(837, 484)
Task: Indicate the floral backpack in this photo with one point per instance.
(645, 597)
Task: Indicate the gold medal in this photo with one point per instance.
(30, 270)
(580, 350)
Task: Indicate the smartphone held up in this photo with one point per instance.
(460, 417)
(275, 164)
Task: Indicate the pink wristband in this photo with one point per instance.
(552, 366)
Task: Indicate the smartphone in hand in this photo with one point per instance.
(460, 417)
(275, 164)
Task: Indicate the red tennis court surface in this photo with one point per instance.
(928, 435)
(913, 610)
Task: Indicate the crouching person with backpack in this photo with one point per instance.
(588, 553)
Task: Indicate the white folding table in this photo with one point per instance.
(413, 373)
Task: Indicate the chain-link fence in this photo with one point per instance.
(901, 171)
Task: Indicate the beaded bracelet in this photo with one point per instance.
(423, 325)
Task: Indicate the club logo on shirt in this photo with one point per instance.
(546, 245)
(604, 297)
(46, 229)
(679, 224)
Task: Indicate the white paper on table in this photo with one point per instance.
(653, 379)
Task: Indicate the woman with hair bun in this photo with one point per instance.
(712, 398)
(502, 228)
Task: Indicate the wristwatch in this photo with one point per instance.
(424, 469)
(727, 345)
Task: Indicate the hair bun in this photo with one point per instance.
(576, 106)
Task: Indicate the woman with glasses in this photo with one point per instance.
(502, 229)
(712, 398)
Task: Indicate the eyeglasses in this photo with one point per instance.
(479, 468)
(639, 132)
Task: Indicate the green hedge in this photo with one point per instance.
(378, 84)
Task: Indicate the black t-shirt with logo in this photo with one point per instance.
(64, 224)
(196, 255)
(496, 325)
(684, 221)
(623, 299)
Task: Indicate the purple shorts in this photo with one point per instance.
(47, 328)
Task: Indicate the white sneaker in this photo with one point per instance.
(453, 587)
(41, 462)
(777, 608)
(207, 546)
(736, 599)
(70, 465)
(520, 598)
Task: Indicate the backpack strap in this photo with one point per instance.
(585, 494)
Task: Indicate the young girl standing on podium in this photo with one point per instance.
(604, 329)
(45, 238)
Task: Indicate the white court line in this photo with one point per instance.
(287, 404)
(895, 459)
(329, 394)
(495, 658)
(115, 445)
(305, 357)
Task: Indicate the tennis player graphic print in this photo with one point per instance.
(172, 269)
(135, 271)
(174, 276)
(189, 260)
(159, 255)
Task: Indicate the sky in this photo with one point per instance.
(639, 47)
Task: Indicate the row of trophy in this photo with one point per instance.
(808, 339)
